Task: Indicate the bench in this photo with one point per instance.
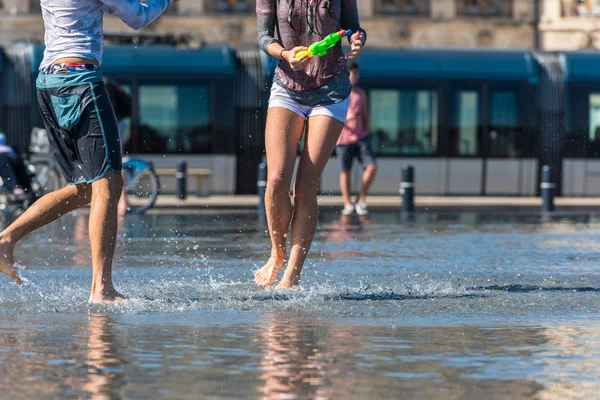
(201, 175)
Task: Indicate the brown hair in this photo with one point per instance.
(353, 65)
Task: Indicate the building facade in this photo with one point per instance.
(544, 24)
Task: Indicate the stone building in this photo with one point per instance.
(547, 24)
(570, 24)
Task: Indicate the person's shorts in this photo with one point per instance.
(81, 124)
(360, 150)
(281, 98)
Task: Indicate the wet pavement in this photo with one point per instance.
(451, 305)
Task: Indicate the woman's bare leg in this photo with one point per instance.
(321, 137)
(42, 212)
(282, 135)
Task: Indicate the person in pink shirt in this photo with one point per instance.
(354, 143)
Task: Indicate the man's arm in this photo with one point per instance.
(135, 14)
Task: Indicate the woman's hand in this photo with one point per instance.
(297, 64)
(356, 45)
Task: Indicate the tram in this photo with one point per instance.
(472, 122)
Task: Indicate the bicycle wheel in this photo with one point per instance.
(141, 188)
(47, 176)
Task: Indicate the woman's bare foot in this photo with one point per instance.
(290, 279)
(7, 262)
(267, 275)
(105, 296)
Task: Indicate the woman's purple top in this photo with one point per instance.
(324, 76)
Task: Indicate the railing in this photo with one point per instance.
(405, 7)
(581, 8)
(484, 8)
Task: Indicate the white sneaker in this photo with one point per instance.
(348, 209)
(361, 209)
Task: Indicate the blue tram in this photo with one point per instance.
(473, 122)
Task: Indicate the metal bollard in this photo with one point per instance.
(547, 189)
(262, 189)
(407, 188)
(181, 176)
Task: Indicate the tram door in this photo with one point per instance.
(491, 144)
(465, 165)
(510, 143)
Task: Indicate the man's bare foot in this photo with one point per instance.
(267, 275)
(290, 279)
(107, 296)
(7, 262)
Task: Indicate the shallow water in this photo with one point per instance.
(431, 306)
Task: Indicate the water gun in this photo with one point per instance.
(320, 48)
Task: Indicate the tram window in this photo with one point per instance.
(404, 121)
(464, 137)
(594, 128)
(174, 119)
(125, 124)
(504, 136)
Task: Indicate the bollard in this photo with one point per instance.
(262, 189)
(407, 188)
(180, 177)
(547, 187)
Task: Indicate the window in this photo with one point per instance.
(504, 138)
(236, 6)
(125, 124)
(173, 119)
(464, 135)
(173, 9)
(497, 8)
(404, 121)
(594, 128)
(409, 7)
(35, 7)
(582, 7)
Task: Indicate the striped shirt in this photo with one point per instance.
(296, 31)
(74, 28)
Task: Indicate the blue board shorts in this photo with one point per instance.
(360, 150)
(81, 124)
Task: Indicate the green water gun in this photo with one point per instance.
(320, 48)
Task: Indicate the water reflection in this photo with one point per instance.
(344, 229)
(105, 361)
(292, 355)
(298, 361)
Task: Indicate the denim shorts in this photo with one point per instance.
(281, 98)
(360, 150)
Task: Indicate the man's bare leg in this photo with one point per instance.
(42, 212)
(282, 135)
(321, 137)
(345, 187)
(103, 236)
(367, 180)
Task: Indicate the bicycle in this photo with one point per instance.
(46, 173)
(142, 186)
(12, 202)
(141, 183)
